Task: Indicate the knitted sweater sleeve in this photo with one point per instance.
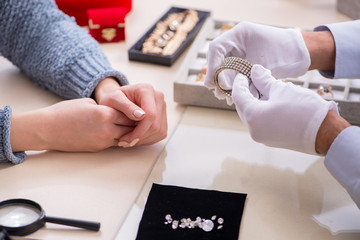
(51, 49)
(6, 154)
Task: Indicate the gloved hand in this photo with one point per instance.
(287, 116)
(281, 50)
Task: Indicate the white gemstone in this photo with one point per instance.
(175, 224)
(207, 225)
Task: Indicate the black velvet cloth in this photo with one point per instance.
(181, 202)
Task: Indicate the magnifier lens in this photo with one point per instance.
(18, 215)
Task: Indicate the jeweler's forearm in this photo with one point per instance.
(321, 47)
(332, 125)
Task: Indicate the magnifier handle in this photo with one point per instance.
(93, 226)
(4, 235)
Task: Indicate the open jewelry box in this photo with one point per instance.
(189, 87)
(136, 52)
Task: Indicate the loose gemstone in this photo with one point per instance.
(207, 225)
(175, 224)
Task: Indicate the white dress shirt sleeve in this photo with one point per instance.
(343, 161)
(347, 43)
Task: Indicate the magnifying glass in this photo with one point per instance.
(21, 217)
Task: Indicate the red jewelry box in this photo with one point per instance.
(107, 24)
(78, 8)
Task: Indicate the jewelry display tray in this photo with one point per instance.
(346, 92)
(135, 53)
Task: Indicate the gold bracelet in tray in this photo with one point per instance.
(170, 33)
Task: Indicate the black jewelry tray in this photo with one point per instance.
(135, 53)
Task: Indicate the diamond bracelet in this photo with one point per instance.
(235, 63)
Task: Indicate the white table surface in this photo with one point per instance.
(291, 195)
(104, 186)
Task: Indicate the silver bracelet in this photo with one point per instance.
(235, 63)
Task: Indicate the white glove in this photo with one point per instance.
(281, 50)
(288, 116)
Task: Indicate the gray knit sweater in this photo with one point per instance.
(52, 51)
